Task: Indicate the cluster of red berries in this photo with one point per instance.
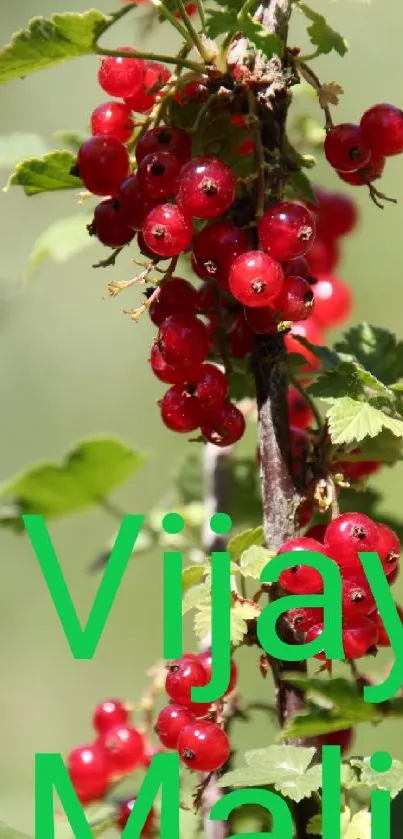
(118, 750)
(201, 743)
(359, 152)
(341, 541)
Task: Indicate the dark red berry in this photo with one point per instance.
(206, 660)
(338, 214)
(324, 256)
(207, 187)
(183, 675)
(170, 722)
(366, 174)
(124, 812)
(357, 597)
(164, 138)
(103, 163)
(113, 119)
(333, 301)
(318, 532)
(124, 746)
(109, 225)
(89, 772)
(241, 337)
(346, 148)
(163, 371)
(299, 411)
(225, 427)
(183, 341)
(287, 230)
(349, 534)
(121, 77)
(216, 247)
(301, 579)
(167, 230)
(356, 470)
(296, 300)
(155, 77)
(158, 175)
(179, 411)
(108, 714)
(203, 746)
(388, 547)
(297, 267)
(208, 298)
(343, 738)
(176, 296)
(133, 204)
(261, 319)
(255, 278)
(209, 387)
(382, 127)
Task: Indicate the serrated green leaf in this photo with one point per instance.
(284, 767)
(321, 34)
(351, 421)
(376, 349)
(89, 473)
(45, 174)
(195, 597)
(47, 42)
(191, 576)
(238, 544)
(349, 377)
(245, 777)
(240, 614)
(202, 619)
(60, 242)
(391, 780)
(227, 21)
(253, 560)
(14, 147)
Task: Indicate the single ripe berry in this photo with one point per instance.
(124, 746)
(388, 548)
(365, 174)
(206, 660)
(296, 300)
(179, 410)
(203, 746)
(103, 163)
(318, 532)
(287, 230)
(208, 298)
(324, 256)
(183, 341)
(343, 738)
(124, 812)
(207, 187)
(175, 296)
(163, 371)
(133, 204)
(209, 387)
(170, 722)
(383, 637)
(301, 619)
(216, 247)
(333, 301)
(311, 331)
(184, 674)
(338, 214)
(346, 148)
(297, 267)
(113, 119)
(356, 471)
(382, 127)
(241, 337)
(167, 230)
(358, 638)
(255, 278)
(155, 77)
(299, 411)
(89, 772)
(225, 427)
(357, 598)
(109, 225)
(301, 579)
(261, 320)
(121, 77)
(349, 534)
(158, 175)
(166, 138)
(108, 714)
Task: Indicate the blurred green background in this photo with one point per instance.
(73, 364)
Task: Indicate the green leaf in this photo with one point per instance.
(302, 186)
(321, 34)
(284, 767)
(51, 41)
(238, 544)
(376, 349)
(14, 147)
(349, 826)
(351, 421)
(45, 174)
(391, 780)
(196, 597)
(60, 242)
(253, 560)
(227, 22)
(349, 377)
(89, 473)
(191, 576)
(240, 614)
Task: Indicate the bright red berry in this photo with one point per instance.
(216, 247)
(124, 746)
(301, 579)
(388, 547)
(121, 77)
(155, 77)
(89, 772)
(176, 296)
(382, 127)
(203, 746)
(343, 738)
(346, 148)
(333, 301)
(255, 278)
(164, 138)
(299, 412)
(296, 300)
(184, 674)
(158, 175)
(103, 163)
(358, 638)
(206, 660)
(124, 812)
(133, 204)
(183, 341)
(306, 329)
(301, 619)
(207, 187)
(357, 598)
(324, 256)
(261, 319)
(170, 722)
(109, 225)
(113, 119)
(209, 387)
(163, 371)
(108, 714)
(225, 427)
(287, 230)
(349, 534)
(179, 410)
(383, 637)
(167, 230)
(365, 174)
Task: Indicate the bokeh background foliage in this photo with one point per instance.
(73, 365)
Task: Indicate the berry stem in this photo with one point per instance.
(193, 34)
(152, 56)
(311, 402)
(168, 15)
(313, 80)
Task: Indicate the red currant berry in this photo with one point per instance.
(338, 215)
(365, 174)
(113, 119)
(241, 337)
(155, 77)
(133, 205)
(382, 127)
(333, 301)
(216, 247)
(208, 298)
(207, 187)
(124, 746)
(176, 296)
(301, 579)
(170, 722)
(121, 77)
(209, 387)
(89, 773)
(179, 410)
(349, 534)
(108, 714)
(358, 638)
(163, 371)
(302, 619)
(194, 91)
(392, 577)
(109, 225)
(318, 532)
(103, 163)
(343, 738)
(388, 547)
(203, 746)
(346, 148)
(165, 138)
(167, 230)
(158, 175)
(324, 256)
(225, 427)
(123, 817)
(260, 320)
(183, 675)
(150, 752)
(309, 330)
(356, 471)
(255, 278)
(206, 660)
(297, 267)
(296, 300)
(357, 598)
(183, 341)
(383, 637)
(299, 412)
(287, 230)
